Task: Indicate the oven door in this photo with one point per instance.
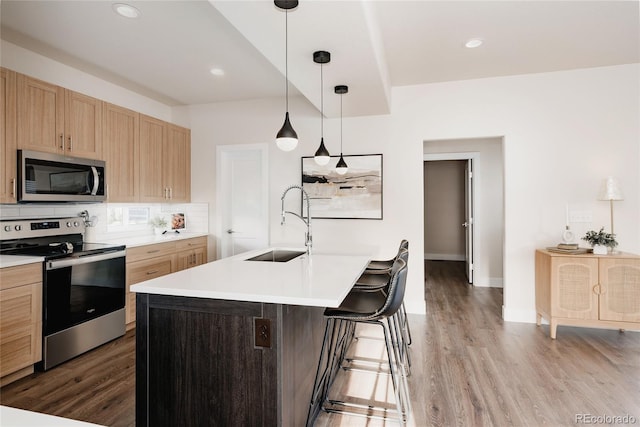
(80, 288)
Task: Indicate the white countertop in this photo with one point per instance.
(10, 417)
(150, 239)
(14, 260)
(319, 280)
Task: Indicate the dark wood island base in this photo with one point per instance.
(209, 362)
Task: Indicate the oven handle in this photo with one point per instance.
(69, 262)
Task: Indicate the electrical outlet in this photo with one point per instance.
(580, 216)
(262, 328)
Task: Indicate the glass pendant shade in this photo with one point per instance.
(287, 138)
(341, 166)
(322, 155)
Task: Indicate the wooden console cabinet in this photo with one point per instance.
(20, 320)
(596, 291)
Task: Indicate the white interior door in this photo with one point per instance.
(468, 218)
(243, 204)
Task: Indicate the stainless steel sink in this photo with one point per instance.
(277, 255)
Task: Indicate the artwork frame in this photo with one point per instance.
(356, 195)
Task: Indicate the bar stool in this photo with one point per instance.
(378, 282)
(383, 267)
(375, 308)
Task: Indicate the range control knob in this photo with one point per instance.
(75, 223)
(68, 223)
(18, 227)
(7, 228)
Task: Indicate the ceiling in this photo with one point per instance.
(167, 53)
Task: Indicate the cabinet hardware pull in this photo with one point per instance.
(152, 272)
(13, 188)
(170, 193)
(70, 143)
(597, 289)
(153, 251)
(62, 141)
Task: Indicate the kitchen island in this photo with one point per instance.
(235, 342)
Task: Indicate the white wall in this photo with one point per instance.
(563, 133)
(40, 67)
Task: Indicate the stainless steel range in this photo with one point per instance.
(83, 284)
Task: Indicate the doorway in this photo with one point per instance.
(242, 188)
(449, 210)
(486, 198)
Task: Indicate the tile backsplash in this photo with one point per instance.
(196, 216)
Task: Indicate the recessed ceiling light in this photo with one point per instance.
(472, 43)
(217, 72)
(126, 10)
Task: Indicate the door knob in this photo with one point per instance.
(230, 231)
(465, 224)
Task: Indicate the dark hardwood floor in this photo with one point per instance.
(469, 369)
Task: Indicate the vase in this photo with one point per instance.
(599, 250)
(158, 231)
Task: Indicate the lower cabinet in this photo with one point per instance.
(191, 252)
(597, 291)
(20, 321)
(156, 260)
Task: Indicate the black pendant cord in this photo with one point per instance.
(340, 125)
(286, 58)
(321, 104)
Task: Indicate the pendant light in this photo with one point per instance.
(322, 155)
(341, 166)
(287, 138)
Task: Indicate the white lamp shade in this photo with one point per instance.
(286, 144)
(610, 190)
(321, 160)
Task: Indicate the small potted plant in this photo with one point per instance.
(600, 241)
(159, 224)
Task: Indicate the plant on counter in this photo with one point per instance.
(158, 222)
(600, 238)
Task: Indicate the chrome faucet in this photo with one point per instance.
(308, 241)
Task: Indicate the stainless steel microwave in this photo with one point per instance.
(46, 177)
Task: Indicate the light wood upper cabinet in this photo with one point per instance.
(153, 185)
(177, 160)
(121, 151)
(83, 125)
(8, 146)
(165, 161)
(53, 119)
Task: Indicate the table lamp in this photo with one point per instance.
(610, 191)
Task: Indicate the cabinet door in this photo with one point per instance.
(140, 271)
(572, 291)
(121, 149)
(40, 117)
(177, 159)
(153, 185)
(20, 327)
(620, 289)
(8, 147)
(83, 125)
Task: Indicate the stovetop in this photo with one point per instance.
(49, 238)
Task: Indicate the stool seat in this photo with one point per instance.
(358, 306)
(372, 282)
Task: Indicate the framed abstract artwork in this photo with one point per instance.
(354, 195)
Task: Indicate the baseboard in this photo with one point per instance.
(443, 257)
